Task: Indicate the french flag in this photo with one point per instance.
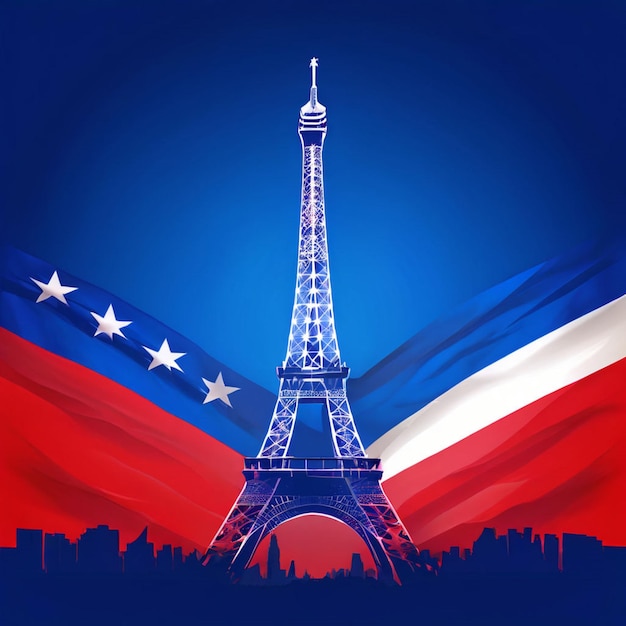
(509, 412)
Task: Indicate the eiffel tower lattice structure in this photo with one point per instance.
(346, 486)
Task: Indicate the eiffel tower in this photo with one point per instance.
(346, 486)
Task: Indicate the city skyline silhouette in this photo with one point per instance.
(98, 551)
(515, 578)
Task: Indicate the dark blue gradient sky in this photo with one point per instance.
(151, 148)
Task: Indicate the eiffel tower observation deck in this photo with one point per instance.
(347, 485)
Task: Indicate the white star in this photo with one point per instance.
(53, 289)
(164, 356)
(218, 390)
(108, 324)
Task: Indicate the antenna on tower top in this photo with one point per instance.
(313, 66)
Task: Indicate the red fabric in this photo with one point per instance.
(557, 465)
(77, 450)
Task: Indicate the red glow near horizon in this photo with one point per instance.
(317, 544)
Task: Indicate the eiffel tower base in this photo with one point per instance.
(347, 489)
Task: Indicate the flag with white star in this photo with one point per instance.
(71, 318)
(123, 419)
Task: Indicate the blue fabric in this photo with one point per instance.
(485, 329)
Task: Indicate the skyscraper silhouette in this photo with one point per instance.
(356, 566)
(139, 555)
(274, 573)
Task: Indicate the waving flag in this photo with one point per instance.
(509, 412)
(109, 416)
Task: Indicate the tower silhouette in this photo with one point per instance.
(273, 561)
(347, 485)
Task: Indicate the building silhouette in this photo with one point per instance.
(274, 573)
(60, 554)
(165, 559)
(357, 569)
(177, 559)
(614, 561)
(139, 555)
(29, 544)
(27, 556)
(582, 554)
(99, 551)
(551, 552)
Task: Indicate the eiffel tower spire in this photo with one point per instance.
(313, 97)
(312, 370)
(346, 486)
(312, 338)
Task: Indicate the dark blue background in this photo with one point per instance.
(151, 148)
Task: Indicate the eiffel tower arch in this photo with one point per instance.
(346, 486)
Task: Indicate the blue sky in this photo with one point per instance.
(151, 148)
